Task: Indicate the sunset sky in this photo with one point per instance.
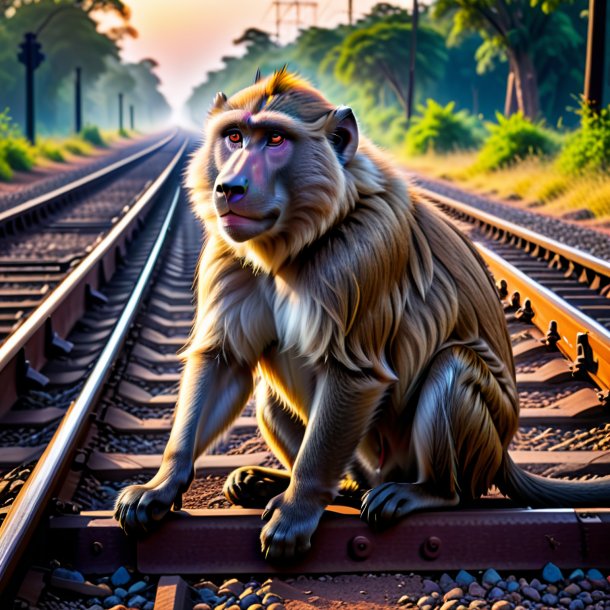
(188, 37)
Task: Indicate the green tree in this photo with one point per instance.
(379, 56)
(511, 29)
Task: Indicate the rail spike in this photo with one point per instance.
(585, 362)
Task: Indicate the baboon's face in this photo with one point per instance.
(254, 154)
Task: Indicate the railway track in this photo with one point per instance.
(44, 240)
(115, 391)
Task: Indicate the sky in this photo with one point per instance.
(189, 37)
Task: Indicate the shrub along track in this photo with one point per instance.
(121, 420)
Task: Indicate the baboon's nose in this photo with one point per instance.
(233, 190)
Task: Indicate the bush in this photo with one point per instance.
(91, 134)
(513, 139)
(439, 129)
(50, 151)
(18, 154)
(16, 151)
(588, 148)
(6, 173)
(76, 146)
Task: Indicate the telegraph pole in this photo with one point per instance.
(31, 57)
(289, 5)
(132, 121)
(350, 11)
(121, 113)
(597, 89)
(411, 89)
(78, 107)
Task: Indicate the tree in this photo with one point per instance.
(379, 55)
(510, 28)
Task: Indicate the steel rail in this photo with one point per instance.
(28, 341)
(52, 196)
(568, 253)
(548, 306)
(27, 509)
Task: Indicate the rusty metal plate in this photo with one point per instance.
(227, 541)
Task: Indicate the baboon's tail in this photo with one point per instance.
(533, 490)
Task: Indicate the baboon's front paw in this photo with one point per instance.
(289, 528)
(140, 507)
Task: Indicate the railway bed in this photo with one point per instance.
(563, 433)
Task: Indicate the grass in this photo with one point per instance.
(16, 153)
(533, 182)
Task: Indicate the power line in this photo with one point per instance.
(284, 8)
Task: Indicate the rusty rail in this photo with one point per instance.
(26, 349)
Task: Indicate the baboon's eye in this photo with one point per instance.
(275, 139)
(234, 138)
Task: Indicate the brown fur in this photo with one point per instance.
(374, 324)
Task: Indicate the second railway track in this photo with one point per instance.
(120, 414)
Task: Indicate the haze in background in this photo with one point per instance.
(189, 37)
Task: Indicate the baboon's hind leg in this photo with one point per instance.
(254, 486)
(455, 444)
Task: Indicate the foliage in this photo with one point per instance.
(524, 32)
(378, 55)
(588, 148)
(91, 134)
(71, 40)
(78, 147)
(513, 139)
(15, 150)
(440, 129)
(50, 151)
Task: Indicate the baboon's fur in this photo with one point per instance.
(377, 330)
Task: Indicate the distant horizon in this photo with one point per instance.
(174, 37)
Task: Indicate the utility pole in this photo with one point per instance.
(78, 107)
(350, 12)
(121, 130)
(411, 89)
(31, 57)
(597, 88)
(132, 121)
(289, 6)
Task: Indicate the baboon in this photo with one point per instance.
(388, 377)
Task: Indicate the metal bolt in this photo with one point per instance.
(97, 547)
(360, 548)
(502, 289)
(431, 547)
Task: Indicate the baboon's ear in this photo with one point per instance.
(344, 134)
(220, 102)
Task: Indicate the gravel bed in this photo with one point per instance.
(141, 411)
(553, 438)
(110, 441)
(569, 233)
(547, 588)
(206, 492)
(547, 397)
(153, 388)
(27, 437)
(532, 363)
(60, 178)
(102, 205)
(95, 494)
